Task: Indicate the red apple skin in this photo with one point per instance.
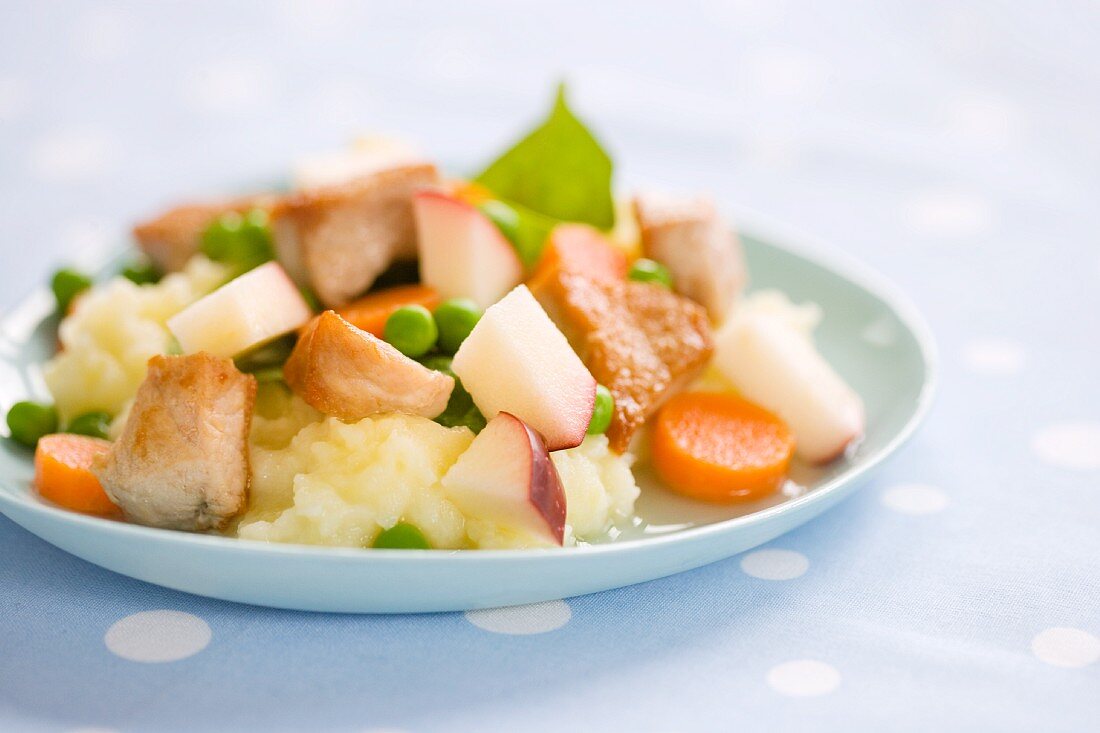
(545, 488)
(462, 253)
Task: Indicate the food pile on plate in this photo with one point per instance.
(388, 357)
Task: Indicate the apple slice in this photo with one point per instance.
(775, 364)
(506, 477)
(462, 253)
(246, 312)
(517, 361)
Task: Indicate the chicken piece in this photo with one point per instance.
(337, 239)
(698, 247)
(344, 371)
(639, 340)
(182, 459)
(172, 238)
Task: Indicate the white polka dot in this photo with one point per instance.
(775, 564)
(803, 678)
(537, 618)
(949, 213)
(1074, 445)
(230, 86)
(785, 72)
(71, 156)
(13, 96)
(1066, 647)
(104, 34)
(157, 636)
(997, 357)
(915, 499)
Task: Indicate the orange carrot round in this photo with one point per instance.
(372, 310)
(718, 447)
(63, 473)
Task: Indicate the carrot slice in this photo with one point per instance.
(371, 311)
(582, 249)
(718, 447)
(63, 473)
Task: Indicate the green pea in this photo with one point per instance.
(455, 318)
(650, 271)
(401, 536)
(141, 273)
(411, 330)
(438, 362)
(257, 226)
(29, 421)
(66, 285)
(95, 424)
(602, 412)
(220, 236)
(242, 241)
(461, 410)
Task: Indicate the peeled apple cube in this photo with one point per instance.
(774, 364)
(506, 477)
(462, 253)
(246, 312)
(517, 361)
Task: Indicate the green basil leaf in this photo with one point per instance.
(559, 170)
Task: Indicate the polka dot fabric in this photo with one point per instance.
(959, 591)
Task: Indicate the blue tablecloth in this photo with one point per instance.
(953, 146)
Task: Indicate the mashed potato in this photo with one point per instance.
(337, 483)
(599, 486)
(113, 331)
(324, 482)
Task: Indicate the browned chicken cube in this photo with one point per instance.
(338, 239)
(182, 459)
(172, 238)
(698, 247)
(347, 372)
(639, 340)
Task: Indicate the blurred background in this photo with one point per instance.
(953, 146)
(962, 131)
